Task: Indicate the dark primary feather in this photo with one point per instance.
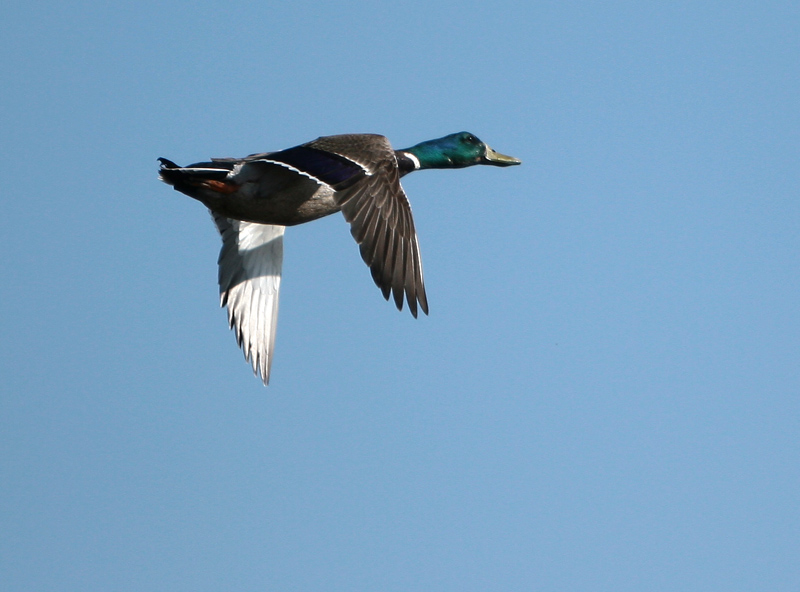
(381, 223)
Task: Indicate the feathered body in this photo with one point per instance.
(253, 199)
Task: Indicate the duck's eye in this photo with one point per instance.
(471, 139)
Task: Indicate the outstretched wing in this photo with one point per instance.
(249, 284)
(380, 217)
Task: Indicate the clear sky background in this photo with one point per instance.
(605, 396)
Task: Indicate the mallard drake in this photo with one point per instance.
(253, 199)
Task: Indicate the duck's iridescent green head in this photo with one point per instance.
(457, 151)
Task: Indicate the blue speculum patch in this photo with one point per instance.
(328, 168)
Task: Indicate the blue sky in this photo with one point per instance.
(605, 395)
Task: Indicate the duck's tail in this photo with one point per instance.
(205, 175)
(194, 174)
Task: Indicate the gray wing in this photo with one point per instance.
(380, 218)
(249, 285)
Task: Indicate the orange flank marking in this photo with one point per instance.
(221, 186)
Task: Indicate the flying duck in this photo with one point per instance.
(253, 199)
